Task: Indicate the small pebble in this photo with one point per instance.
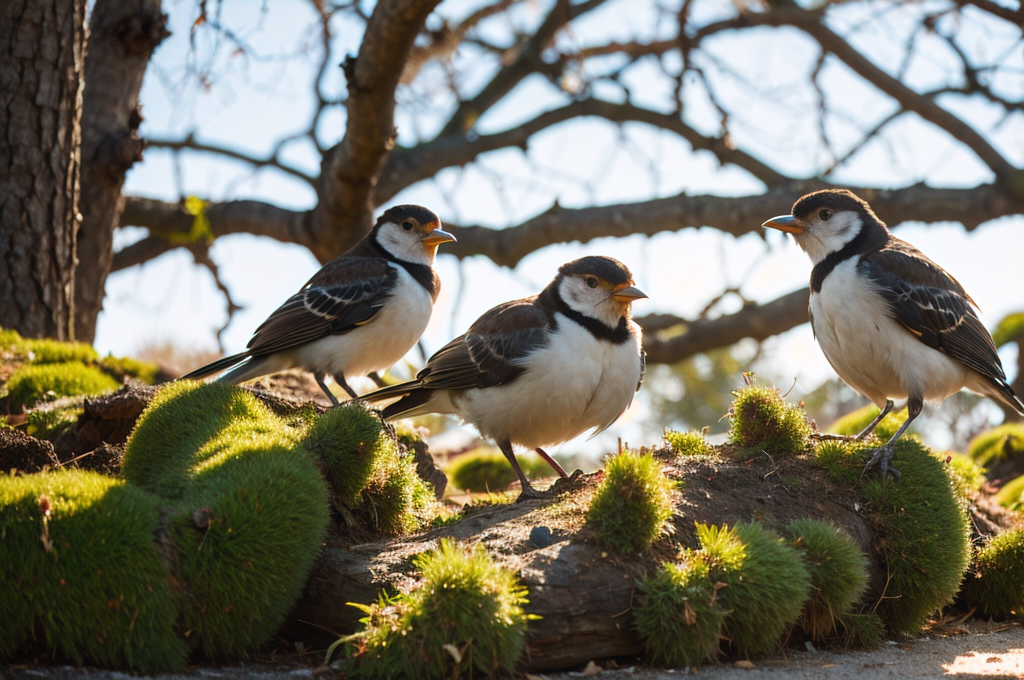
(541, 537)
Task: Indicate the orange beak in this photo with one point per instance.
(627, 294)
(437, 237)
(786, 223)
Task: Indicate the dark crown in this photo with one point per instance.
(834, 199)
(612, 271)
(400, 213)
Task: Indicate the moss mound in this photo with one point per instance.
(1011, 494)
(633, 504)
(677, 614)
(839, 574)
(766, 583)
(47, 351)
(395, 497)
(83, 573)
(486, 470)
(33, 383)
(692, 443)
(966, 475)
(997, 586)
(921, 523)
(762, 420)
(347, 440)
(126, 367)
(865, 631)
(998, 445)
(854, 423)
(465, 619)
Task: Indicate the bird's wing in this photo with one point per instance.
(933, 306)
(491, 352)
(347, 293)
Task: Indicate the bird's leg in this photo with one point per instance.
(874, 423)
(526, 490)
(320, 381)
(551, 461)
(884, 454)
(377, 380)
(339, 378)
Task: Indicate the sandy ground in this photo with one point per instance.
(981, 651)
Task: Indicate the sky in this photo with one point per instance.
(199, 84)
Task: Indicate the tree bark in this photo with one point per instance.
(122, 37)
(42, 49)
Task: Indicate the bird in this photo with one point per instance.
(359, 314)
(541, 370)
(891, 322)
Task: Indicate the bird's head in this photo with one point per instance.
(410, 233)
(598, 287)
(825, 221)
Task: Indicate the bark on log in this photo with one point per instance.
(42, 53)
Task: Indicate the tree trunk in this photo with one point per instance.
(122, 37)
(42, 52)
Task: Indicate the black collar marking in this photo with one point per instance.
(864, 242)
(423, 274)
(616, 336)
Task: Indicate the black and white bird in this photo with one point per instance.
(359, 314)
(893, 324)
(541, 370)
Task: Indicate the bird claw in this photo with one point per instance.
(529, 493)
(881, 458)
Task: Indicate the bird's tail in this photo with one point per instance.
(411, 395)
(216, 366)
(1005, 394)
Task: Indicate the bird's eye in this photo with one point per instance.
(407, 225)
(825, 214)
(591, 281)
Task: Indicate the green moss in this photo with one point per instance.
(51, 423)
(997, 444)
(465, 619)
(347, 440)
(11, 342)
(839, 574)
(692, 443)
(766, 581)
(854, 423)
(762, 420)
(486, 470)
(1011, 494)
(1009, 329)
(997, 586)
(88, 581)
(922, 527)
(47, 351)
(632, 506)
(678, 616)
(33, 383)
(122, 367)
(966, 475)
(395, 498)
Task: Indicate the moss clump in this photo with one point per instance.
(83, 574)
(1011, 494)
(922, 527)
(486, 470)
(966, 475)
(762, 420)
(678, 616)
(839, 574)
(633, 504)
(998, 444)
(692, 443)
(766, 581)
(347, 440)
(47, 351)
(997, 586)
(126, 367)
(31, 384)
(49, 424)
(11, 342)
(395, 497)
(865, 631)
(465, 619)
(854, 423)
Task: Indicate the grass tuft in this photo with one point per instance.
(762, 420)
(692, 443)
(486, 470)
(465, 619)
(839, 574)
(33, 383)
(632, 506)
(997, 586)
(862, 631)
(677, 614)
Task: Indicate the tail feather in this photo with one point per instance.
(216, 366)
(1004, 393)
(410, 395)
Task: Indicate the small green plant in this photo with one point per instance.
(347, 441)
(47, 351)
(853, 423)
(1011, 494)
(466, 618)
(762, 420)
(83, 573)
(863, 631)
(33, 383)
(997, 445)
(766, 583)
(692, 443)
(677, 614)
(839, 574)
(395, 497)
(997, 586)
(486, 470)
(50, 423)
(633, 505)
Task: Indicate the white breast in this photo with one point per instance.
(871, 351)
(379, 344)
(574, 384)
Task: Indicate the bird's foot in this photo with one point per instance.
(561, 485)
(880, 459)
(529, 494)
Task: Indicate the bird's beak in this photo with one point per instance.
(627, 294)
(786, 223)
(437, 237)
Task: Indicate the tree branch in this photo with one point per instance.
(190, 143)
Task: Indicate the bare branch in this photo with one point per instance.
(1013, 15)
(190, 143)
